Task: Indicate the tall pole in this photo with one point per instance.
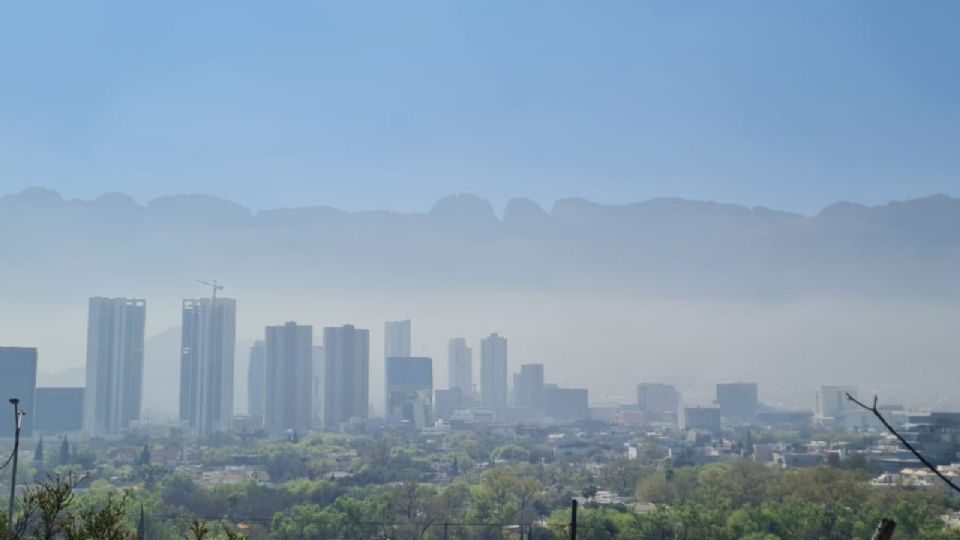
(573, 520)
(17, 418)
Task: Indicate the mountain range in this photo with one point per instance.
(661, 246)
(667, 289)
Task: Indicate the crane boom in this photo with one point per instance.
(213, 285)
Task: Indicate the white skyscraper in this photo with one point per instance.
(346, 392)
(114, 387)
(460, 366)
(289, 377)
(208, 338)
(493, 371)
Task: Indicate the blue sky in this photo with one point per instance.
(365, 105)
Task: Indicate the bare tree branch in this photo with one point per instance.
(876, 413)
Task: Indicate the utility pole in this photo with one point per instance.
(18, 421)
(573, 520)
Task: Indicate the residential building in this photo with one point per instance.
(493, 372)
(208, 339)
(346, 382)
(114, 371)
(19, 368)
(288, 402)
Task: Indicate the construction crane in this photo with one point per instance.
(213, 285)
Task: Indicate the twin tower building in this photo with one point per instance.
(293, 384)
(114, 372)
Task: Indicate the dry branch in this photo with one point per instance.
(876, 413)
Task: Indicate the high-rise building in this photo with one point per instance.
(58, 410)
(208, 339)
(289, 378)
(114, 381)
(396, 338)
(319, 371)
(256, 380)
(529, 388)
(346, 352)
(566, 404)
(409, 388)
(493, 372)
(19, 368)
(460, 366)
(738, 401)
(657, 398)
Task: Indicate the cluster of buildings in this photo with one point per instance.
(738, 404)
(295, 384)
(297, 379)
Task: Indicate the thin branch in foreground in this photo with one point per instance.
(876, 412)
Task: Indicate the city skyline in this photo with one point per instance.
(239, 408)
(290, 349)
(480, 270)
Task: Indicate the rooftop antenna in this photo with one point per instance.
(213, 285)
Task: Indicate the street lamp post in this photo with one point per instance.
(18, 421)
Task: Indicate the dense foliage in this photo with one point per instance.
(491, 486)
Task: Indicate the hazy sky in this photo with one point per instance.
(393, 104)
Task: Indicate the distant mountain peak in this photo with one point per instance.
(116, 199)
(464, 208)
(523, 211)
(196, 206)
(36, 195)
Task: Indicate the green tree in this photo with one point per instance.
(510, 452)
(307, 521)
(65, 451)
(144, 458)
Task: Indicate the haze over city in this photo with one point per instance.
(684, 291)
(431, 269)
